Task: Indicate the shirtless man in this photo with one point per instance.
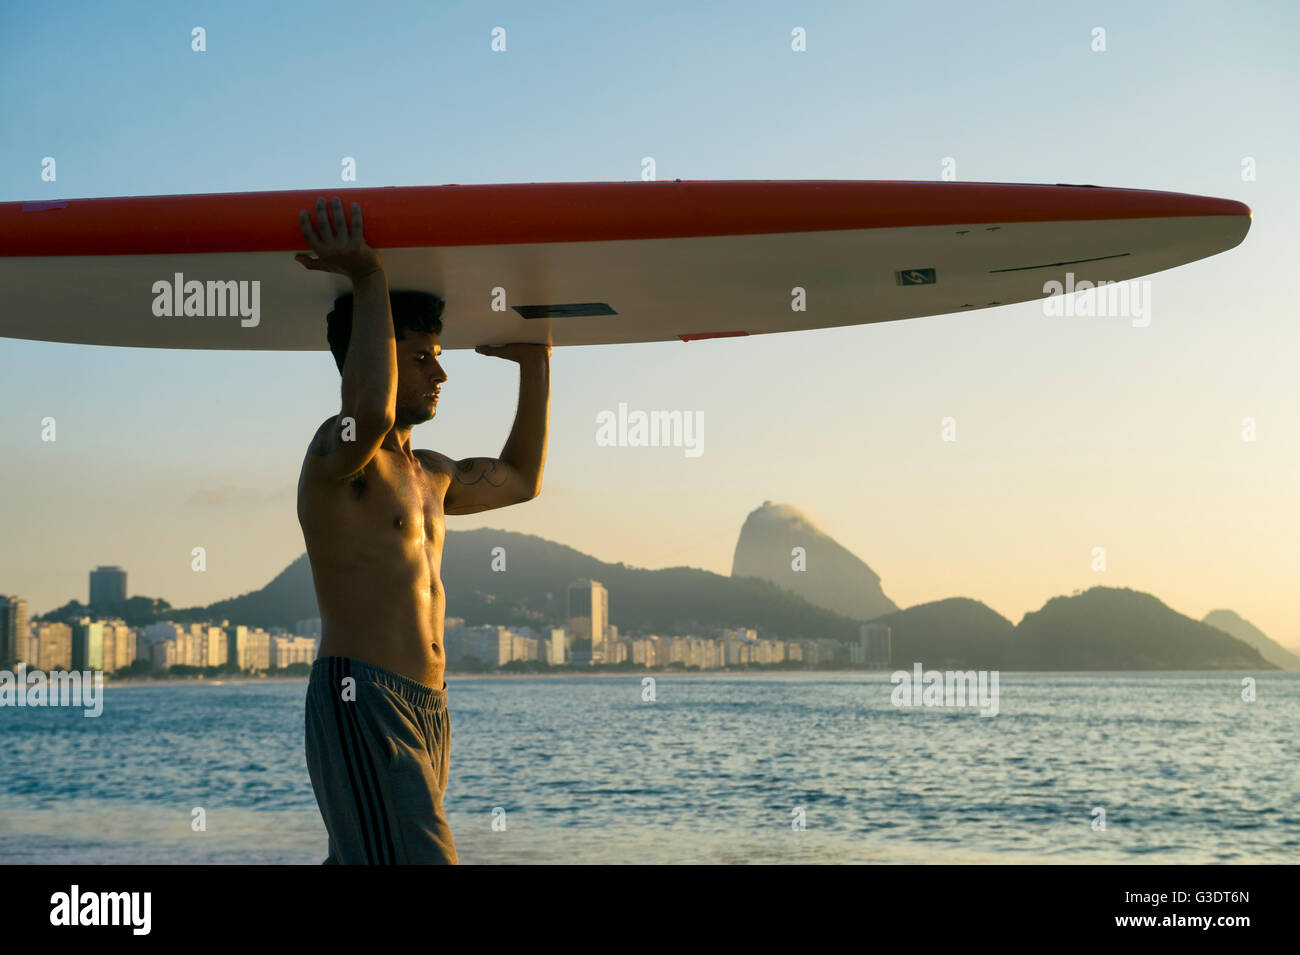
(378, 736)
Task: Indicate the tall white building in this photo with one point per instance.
(286, 650)
(87, 644)
(119, 646)
(53, 647)
(15, 638)
(162, 655)
(876, 641)
(588, 613)
(522, 647)
(249, 649)
(555, 644)
(697, 652)
(213, 646)
(493, 645)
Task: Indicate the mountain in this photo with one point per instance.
(134, 611)
(958, 633)
(1107, 628)
(533, 587)
(1101, 629)
(834, 578)
(288, 598)
(1248, 633)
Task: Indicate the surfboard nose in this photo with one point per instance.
(1229, 207)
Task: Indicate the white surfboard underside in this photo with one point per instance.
(660, 289)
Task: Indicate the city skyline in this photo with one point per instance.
(112, 580)
(94, 637)
(101, 641)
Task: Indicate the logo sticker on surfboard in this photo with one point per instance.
(915, 277)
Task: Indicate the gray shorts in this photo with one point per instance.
(377, 751)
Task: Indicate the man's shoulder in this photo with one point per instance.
(325, 443)
(434, 460)
(320, 441)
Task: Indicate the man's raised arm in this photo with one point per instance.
(370, 367)
(481, 484)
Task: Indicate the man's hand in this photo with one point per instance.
(517, 351)
(337, 249)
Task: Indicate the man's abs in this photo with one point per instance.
(375, 546)
(407, 643)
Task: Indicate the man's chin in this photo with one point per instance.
(416, 416)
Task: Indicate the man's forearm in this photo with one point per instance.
(525, 449)
(370, 369)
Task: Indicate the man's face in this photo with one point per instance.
(419, 376)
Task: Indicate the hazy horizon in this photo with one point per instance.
(179, 607)
(1072, 433)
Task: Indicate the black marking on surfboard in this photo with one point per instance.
(575, 310)
(915, 277)
(1053, 265)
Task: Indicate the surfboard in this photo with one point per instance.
(586, 263)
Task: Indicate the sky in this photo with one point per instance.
(1072, 433)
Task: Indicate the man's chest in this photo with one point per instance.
(408, 497)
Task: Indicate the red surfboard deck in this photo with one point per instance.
(585, 263)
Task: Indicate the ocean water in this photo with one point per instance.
(718, 768)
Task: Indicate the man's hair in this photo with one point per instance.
(417, 311)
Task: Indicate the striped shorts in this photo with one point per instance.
(378, 744)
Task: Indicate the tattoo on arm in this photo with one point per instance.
(473, 471)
